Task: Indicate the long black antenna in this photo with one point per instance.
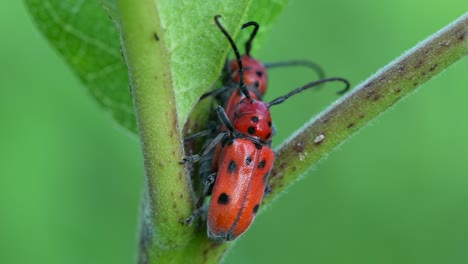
(303, 63)
(283, 98)
(248, 44)
(242, 85)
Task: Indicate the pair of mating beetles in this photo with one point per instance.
(238, 153)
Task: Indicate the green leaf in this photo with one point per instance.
(86, 37)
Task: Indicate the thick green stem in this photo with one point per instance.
(372, 97)
(169, 193)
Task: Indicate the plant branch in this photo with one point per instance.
(169, 201)
(370, 98)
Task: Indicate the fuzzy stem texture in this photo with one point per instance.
(168, 198)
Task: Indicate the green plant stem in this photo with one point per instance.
(370, 98)
(168, 188)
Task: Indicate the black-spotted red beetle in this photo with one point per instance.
(243, 158)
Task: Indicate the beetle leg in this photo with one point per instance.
(199, 206)
(206, 150)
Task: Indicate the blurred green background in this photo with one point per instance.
(70, 178)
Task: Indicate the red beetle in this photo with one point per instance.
(254, 72)
(243, 159)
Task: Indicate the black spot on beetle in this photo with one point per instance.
(223, 198)
(248, 160)
(232, 168)
(268, 135)
(258, 146)
(255, 209)
(259, 73)
(256, 84)
(261, 165)
(269, 123)
(255, 119)
(251, 130)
